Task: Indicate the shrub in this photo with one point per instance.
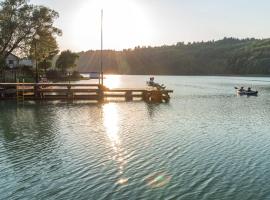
(53, 74)
(76, 74)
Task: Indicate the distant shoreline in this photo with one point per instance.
(230, 75)
(223, 57)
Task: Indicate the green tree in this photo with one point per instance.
(66, 60)
(43, 50)
(226, 56)
(20, 22)
(45, 65)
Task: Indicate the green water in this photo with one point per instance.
(207, 143)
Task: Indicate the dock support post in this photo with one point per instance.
(69, 93)
(128, 96)
(2, 93)
(145, 96)
(100, 93)
(36, 92)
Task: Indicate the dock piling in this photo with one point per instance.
(128, 96)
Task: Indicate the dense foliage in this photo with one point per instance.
(55, 75)
(227, 56)
(20, 22)
(66, 60)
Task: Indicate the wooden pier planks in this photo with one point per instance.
(65, 91)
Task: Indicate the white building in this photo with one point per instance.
(26, 62)
(12, 61)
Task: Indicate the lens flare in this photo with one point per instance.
(158, 179)
(122, 181)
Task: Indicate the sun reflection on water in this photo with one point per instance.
(111, 124)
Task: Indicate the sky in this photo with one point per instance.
(130, 23)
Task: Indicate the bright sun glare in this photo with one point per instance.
(125, 25)
(111, 122)
(112, 81)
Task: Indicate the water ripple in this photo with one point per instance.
(207, 143)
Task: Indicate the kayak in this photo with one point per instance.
(248, 93)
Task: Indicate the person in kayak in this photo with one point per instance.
(249, 89)
(241, 89)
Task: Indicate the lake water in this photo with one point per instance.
(207, 143)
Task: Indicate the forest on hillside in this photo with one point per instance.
(229, 56)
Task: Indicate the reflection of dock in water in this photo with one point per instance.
(65, 91)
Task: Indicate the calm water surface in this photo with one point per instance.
(207, 143)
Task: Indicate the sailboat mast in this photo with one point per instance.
(101, 51)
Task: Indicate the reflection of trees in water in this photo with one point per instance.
(21, 120)
(27, 134)
(8, 112)
(38, 142)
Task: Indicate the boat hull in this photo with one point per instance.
(248, 93)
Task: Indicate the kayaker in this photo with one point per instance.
(242, 89)
(249, 89)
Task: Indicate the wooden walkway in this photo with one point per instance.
(65, 91)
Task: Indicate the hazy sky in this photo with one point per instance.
(129, 23)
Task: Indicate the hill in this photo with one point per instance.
(227, 56)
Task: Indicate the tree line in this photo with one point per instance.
(229, 56)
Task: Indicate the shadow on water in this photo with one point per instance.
(154, 108)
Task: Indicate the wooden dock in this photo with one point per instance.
(65, 91)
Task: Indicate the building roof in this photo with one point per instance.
(11, 54)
